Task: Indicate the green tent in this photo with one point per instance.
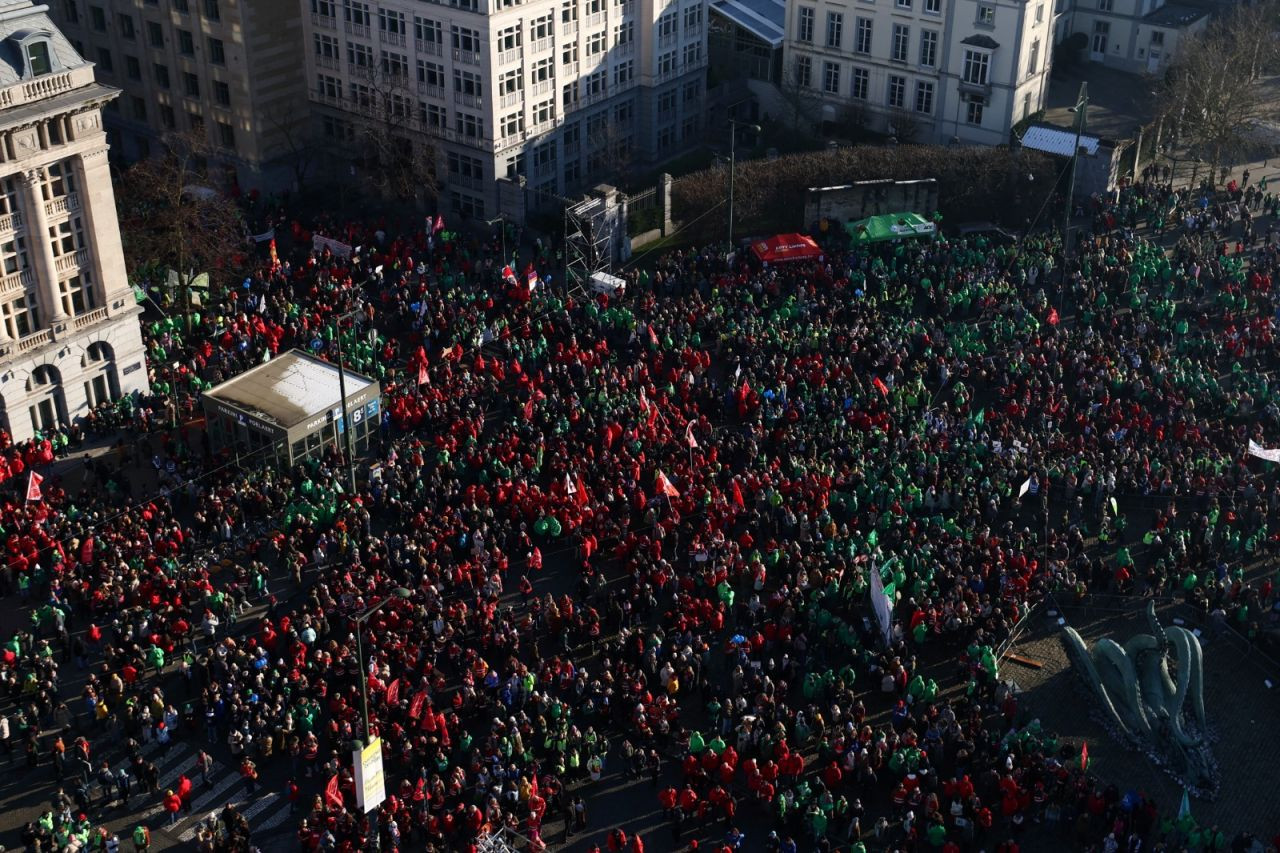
(890, 226)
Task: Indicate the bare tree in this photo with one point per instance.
(904, 125)
(610, 146)
(296, 134)
(804, 104)
(388, 144)
(170, 218)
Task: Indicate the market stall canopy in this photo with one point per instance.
(890, 226)
(786, 247)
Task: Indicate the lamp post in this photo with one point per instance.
(733, 139)
(342, 392)
(503, 219)
(1080, 109)
(397, 593)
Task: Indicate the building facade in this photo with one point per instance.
(930, 71)
(555, 94)
(229, 71)
(1140, 36)
(69, 332)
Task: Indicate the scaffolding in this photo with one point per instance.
(590, 232)
(501, 840)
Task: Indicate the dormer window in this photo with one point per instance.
(38, 58)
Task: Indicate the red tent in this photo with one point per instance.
(786, 247)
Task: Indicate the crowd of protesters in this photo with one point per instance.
(635, 534)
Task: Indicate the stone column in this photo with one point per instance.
(102, 229)
(43, 262)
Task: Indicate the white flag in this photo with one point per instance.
(1269, 454)
(1024, 488)
(569, 487)
(880, 604)
(688, 436)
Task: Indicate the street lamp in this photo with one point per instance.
(503, 219)
(733, 138)
(1080, 109)
(397, 593)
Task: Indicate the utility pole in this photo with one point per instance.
(342, 406)
(733, 139)
(1081, 107)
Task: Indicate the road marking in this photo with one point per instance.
(165, 781)
(275, 820)
(190, 832)
(202, 802)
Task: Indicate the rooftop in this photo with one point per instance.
(1055, 140)
(765, 19)
(20, 19)
(288, 390)
(1175, 16)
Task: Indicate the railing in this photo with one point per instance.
(97, 315)
(543, 45)
(571, 68)
(17, 281)
(628, 8)
(386, 37)
(568, 28)
(507, 57)
(324, 22)
(358, 71)
(358, 30)
(543, 87)
(12, 222)
(470, 57)
(35, 341)
(431, 48)
(512, 98)
(668, 40)
(624, 49)
(595, 20)
(429, 90)
(466, 100)
(43, 87)
(330, 62)
(68, 203)
(71, 261)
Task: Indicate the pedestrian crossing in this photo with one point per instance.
(265, 810)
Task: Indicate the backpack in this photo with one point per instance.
(141, 835)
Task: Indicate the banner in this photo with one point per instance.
(371, 787)
(264, 236)
(880, 604)
(342, 250)
(1271, 454)
(33, 487)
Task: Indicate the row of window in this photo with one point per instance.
(897, 88)
(125, 23)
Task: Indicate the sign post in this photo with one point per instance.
(371, 787)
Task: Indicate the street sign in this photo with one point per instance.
(370, 783)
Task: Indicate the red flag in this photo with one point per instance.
(439, 226)
(415, 705)
(1084, 756)
(880, 386)
(332, 795)
(688, 436)
(653, 337)
(422, 373)
(1053, 317)
(531, 281)
(528, 410)
(665, 487)
(86, 550)
(275, 257)
(393, 693)
(582, 499)
(33, 487)
(737, 496)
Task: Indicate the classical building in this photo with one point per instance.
(69, 333)
(552, 94)
(1139, 36)
(940, 71)
(227, 70)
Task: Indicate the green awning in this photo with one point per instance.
(890, 226)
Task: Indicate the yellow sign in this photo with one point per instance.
(371, 787)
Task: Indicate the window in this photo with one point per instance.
(1040, 14)
(211, 10)
(67, 237)
(186, 43)
(8, 196)
(596, 44)
(862, 37)
(933, 7)
(162, 75)
(428, 32)
(543, 70)
(155, 34)
(831, 77)
(195, 121)
(139, 108)
(167, 118)
(570, 53)
(835, 29)
(1026, 104)
(692, 91)
(973, 115)
(509, 83)
(1104, 5)
(359, 55)
(182, 6)
(805, 33)
(467, 41)
(569, 95)
(667, 62)
(466, 205)
(509, 39)
(928, 48)
(1157, 38)
(902, 4)
(861, 80)
(462, 166)
(667, 27)
(622, 115)
(105, 60)
(356, 14)
(190, 84)
(901, 42)
(21, 316)
(38, 60)
(569, 11)
(126, 26)
(13, 254)
(986, 14)
(466, 83)
(226, 135)
(71, 11)
(1033, 61)
(469, 126)
(217, 53)
(1101, 34)
(431, 74)
(624, 33)
(623, 72)
(435, 116)
(594, 84)
(924, 97)
(221, 93)
(392, 22)
(544, 112)
(133, 67)
(975, 67)
(692, 54)
(897, 91)
(395, 64)
(804, 71)
(99, 18)
(542, 28)
(693, 19)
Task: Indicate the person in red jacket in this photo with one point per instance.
(172, 803)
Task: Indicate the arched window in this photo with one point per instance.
(101, 384)
(37, 52)
(46, 403)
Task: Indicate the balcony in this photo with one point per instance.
(982, 88)
(568, 28)
(97, 315)
(16, 283)
(668, 40)
(330, 62)
(543, 45)
(624, 49)
(571, 68)
(468, 57)
(357, 30)
(512, 98)
(429, 48)
(10, 223)
(397, 39)
(44, 87)
(507, 57)
(465, 100)
(35, 341)
(324, 22)
(430, 91)
(71, 261)
(62, 205)
(595, 20)
(543, 87)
